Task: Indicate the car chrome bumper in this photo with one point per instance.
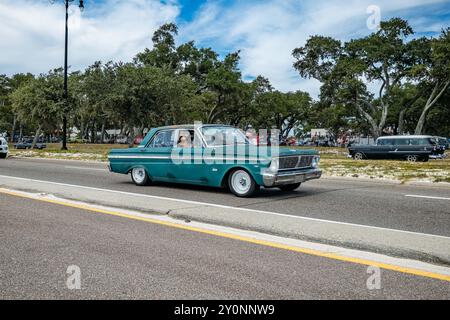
(283, 178)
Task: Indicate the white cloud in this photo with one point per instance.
(268, 31)
(32, 32)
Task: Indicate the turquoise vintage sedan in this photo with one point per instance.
(216, 156)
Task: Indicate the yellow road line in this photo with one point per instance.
(318, 253)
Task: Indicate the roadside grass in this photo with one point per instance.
(328, 152)
(334, 162)
(432, 171)
(76, 151)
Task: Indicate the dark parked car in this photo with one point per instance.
(27, 143)
(411, 148)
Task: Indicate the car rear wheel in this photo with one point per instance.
(358, 156)
(140, 176)
(290, 187)
(2, 155)
(242, 184)
(412, 158)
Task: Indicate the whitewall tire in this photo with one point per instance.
(139, 176)
(242, 184)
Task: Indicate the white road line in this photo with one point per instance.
(223, 206)
(426, 197)
(85, 168)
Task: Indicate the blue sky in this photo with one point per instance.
(264, 31)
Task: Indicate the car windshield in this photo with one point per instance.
(223, 136)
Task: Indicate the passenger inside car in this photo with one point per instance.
(183, 142)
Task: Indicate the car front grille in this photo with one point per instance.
(295, 162)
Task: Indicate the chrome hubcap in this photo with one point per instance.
(412, 158)
(138, 174)
(240, 182)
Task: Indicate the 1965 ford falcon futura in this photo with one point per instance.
(216, 156)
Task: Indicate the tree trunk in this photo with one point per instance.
(13, 130)
(434, 97)
(82, 126)
(36, 136)
(401, 122)
(376, 129)
(421, 122)
(20, 131)
(93, 133)
(102, 139)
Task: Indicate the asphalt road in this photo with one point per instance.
(123, 258)
(351, 201)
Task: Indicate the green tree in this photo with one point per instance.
(432, 71)
(285, 111)
(38, 102)
(346, 70)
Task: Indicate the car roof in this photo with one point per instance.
(406, 137)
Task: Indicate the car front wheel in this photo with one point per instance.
(242, 184)
(140, 176)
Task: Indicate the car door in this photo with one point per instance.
(384, 149)
(157, 155)
(188, 165)
(401, 148)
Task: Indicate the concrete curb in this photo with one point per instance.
(417, 246)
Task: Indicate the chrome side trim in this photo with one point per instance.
(186, 158)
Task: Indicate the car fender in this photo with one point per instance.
(253, 169)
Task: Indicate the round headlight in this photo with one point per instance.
(315, 162)
(274, 165)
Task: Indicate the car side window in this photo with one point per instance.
(402, 142)
(163, 139)
(385, 142)
(188, 138)
(185, 138)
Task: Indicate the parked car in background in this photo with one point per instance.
(3, 148)
(27, 143)
(211, 163)
(411, 148)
